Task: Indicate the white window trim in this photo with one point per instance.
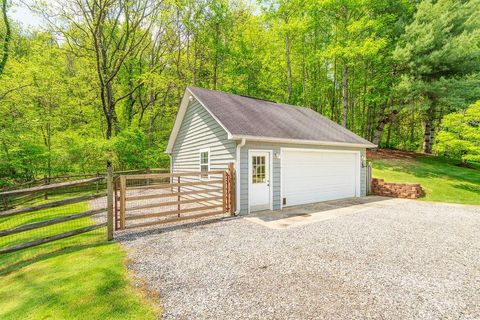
(200, 162)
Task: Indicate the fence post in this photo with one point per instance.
(5, 202)
(231, 173)
(98, 182)
(46, 182)
(123, 191)
(369, 178)
(116, 195)
(109, 203)
(224, 192)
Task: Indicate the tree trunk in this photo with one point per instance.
(429, 129)
(289, 67)
(381, 124)
(6, 39)
(389, 134)
(334, 100)
(344, 95)
(110, 110)
(412, 128)
(215, 64)
(364, 103)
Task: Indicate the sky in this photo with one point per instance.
(21, 13)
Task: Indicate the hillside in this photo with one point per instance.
(443, 180)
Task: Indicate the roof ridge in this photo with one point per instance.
(236, 94)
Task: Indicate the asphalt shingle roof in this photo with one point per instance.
(246, 116)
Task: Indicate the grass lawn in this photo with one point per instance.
(441, 179)
(83, 277)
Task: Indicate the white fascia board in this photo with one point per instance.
(181, 114)
(300, 141)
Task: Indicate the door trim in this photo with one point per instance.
(270, 172)
(357, 170)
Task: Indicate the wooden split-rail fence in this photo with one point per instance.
(42, 222)
(125, 201)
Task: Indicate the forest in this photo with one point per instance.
(100, 81)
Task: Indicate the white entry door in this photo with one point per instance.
(259, 180)
(315, 175)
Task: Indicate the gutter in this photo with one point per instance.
(171, 166)
(305, 142)
(237, 176)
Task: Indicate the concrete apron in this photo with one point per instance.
(296, 216)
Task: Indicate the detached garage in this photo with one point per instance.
(284, 155)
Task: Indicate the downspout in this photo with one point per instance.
(171, 166)
(237, 178)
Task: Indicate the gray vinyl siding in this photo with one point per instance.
(200, 130)
(276, 179)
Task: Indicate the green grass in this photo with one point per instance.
(83, 277)
(441, 179)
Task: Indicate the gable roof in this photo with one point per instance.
(262, 120)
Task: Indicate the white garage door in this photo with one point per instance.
(313, 176)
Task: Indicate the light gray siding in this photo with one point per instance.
(276, 179)
(200, 130)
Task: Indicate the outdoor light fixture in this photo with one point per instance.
(276, 155)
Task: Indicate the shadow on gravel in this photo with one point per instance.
(309, 209)
(131, 235)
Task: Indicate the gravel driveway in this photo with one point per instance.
(400, 259)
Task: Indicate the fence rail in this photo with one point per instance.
(56, 237)
(132, 199)
(173, 197)
(66, 214)
(68, 177)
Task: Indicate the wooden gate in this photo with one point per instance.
(150, 199)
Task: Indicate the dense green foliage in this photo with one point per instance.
(103, 79)
(441, 179)
(460, 135)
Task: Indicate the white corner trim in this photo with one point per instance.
(281, 178)
(306, 142)
(237, 175)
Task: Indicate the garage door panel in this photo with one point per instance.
(313, 176)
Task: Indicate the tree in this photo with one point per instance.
(442, 43)
(6, 37)
(459, 136)
(109, 69)
(114, 31)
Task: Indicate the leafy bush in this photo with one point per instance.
(459, 136)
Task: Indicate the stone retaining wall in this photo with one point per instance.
(396, 190)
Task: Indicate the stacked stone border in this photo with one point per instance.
(396, 190)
